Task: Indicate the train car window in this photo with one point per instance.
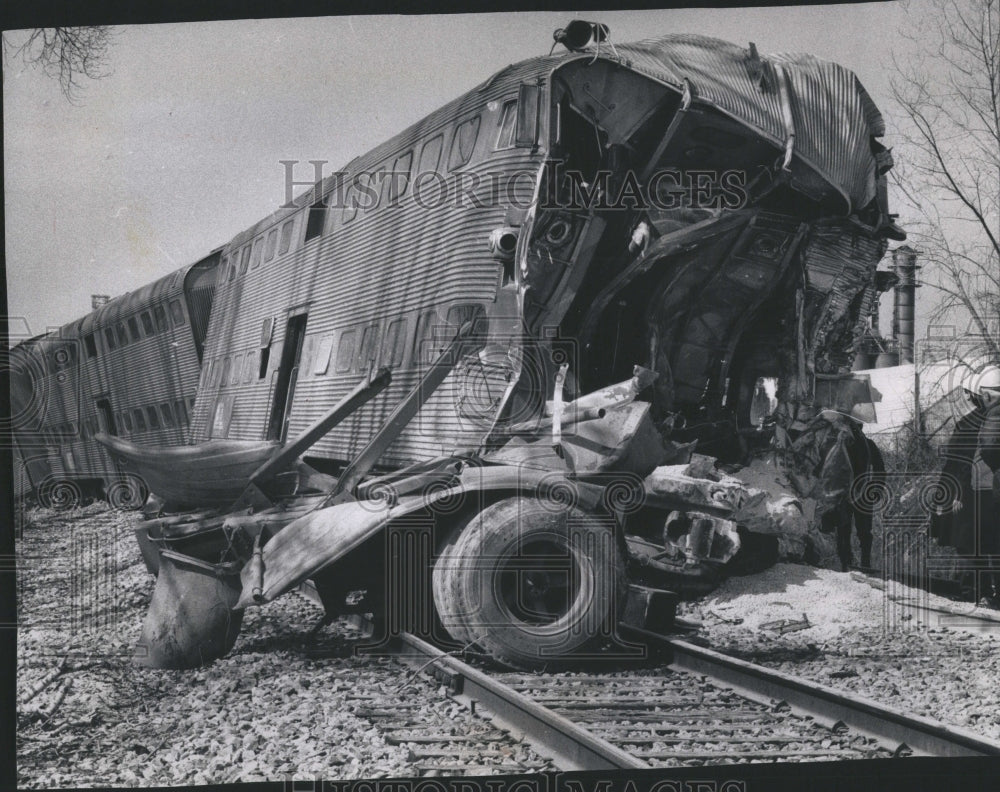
(222, 415)
(286, 236)
(463, 142)
(322, 364)
(316, 219)
(272, 244)
(394, 343)
(152, 418)
(147, 323)
(133, 328)
(248, 367)
(244, 260)
(122, 335)
(258, 249)
(127, 420)
(160, 317)
(237, 362)
(90, 344)
(167, 415)
(399, 179)
(345, 351)
(224, 378)
(507, 124)
(140, 420)
(177, 312)
(423, 341)
(109, 338)
(180, 411)
(369, 347)
(430, 155)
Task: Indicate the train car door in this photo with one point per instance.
(288, 372)
(105, 415)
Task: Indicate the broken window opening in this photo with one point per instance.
(286, 236)
(316, 219)
(508, 118)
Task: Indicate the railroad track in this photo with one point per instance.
(698, 707)
(956, 615)
(912, 604)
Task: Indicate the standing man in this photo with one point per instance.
(986, 470)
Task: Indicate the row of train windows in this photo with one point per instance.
(166, 415)
(139, 419)
(358, 348)
(128, 331)
(377, 187)
(266, 247)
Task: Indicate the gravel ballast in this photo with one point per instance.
(858, 640)
(278, 706)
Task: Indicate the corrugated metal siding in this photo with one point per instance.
(397, 262)
(150, 371)
(384, 264)
(834, 117)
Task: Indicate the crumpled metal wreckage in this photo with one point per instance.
(603, 502)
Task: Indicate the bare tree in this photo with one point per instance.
(69, 54)
(948, 124)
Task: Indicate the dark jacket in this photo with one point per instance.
(989, 438)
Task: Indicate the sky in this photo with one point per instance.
(178, 147)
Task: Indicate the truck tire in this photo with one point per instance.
(535, 585)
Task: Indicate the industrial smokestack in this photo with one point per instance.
(904, 264)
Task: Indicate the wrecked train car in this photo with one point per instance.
(682, 211)
(128, 369)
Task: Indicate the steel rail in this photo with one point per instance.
(573, 747)
(903, 732)
(569, 745)
(954, 618)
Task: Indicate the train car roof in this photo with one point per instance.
(134, 301)
(834, 117)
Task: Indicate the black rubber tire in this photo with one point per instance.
(445, 588)
(517, 551)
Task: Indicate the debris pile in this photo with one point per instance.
(758, 497)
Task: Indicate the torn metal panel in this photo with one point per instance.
(321, 537)
(191, 620)
(833, 116)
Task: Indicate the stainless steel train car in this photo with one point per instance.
(681, 211)
(375, 267)
(652, 204)
(129, 368)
